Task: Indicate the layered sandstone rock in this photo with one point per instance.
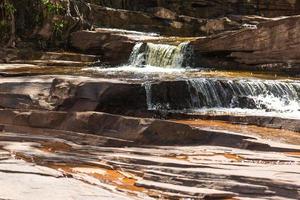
(212, 8)
(273, 46)
(161, 21)
(113, 47)
(71, 93)
(74, 94)
(130, 129)
(81, 165)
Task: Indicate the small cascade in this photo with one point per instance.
(205, 93)
(147, 86)
(258, 94)
(161, 55)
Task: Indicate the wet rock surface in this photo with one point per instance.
(71, 93)
(65, 159)
(52, 134)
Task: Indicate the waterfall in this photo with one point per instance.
(161, 55)
(147, 86)
(204, 93)
(259, 94)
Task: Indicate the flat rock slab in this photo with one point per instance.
(22, 180)
(145, 172)
(137, 130)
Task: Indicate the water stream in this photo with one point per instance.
(161, 55)
(152, 58)
(199, 93)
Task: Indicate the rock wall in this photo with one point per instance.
(212, 8)
(272, 46)
(161, 21)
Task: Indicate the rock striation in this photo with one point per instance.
(273, 46)
(161, 20)
(212, 8)
(67, 150)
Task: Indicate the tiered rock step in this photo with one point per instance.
(39, 63)
(116, 45)
(129, 130)
(128, 154)
(69, 56)
(60, 59)
(61, 63)
(251, 48)
(75, 93)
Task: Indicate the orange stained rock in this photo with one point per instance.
(233, 157)
(226, 155)
(179, 157)
(293, 153)
(123, 181)
(54, 146)
(120, 180)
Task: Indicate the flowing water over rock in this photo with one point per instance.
(161, 55)
(253, 95)
(151, 58)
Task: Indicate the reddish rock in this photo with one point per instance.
(212, 8)
(164, 13)
(112, 47)
(139, 130)
(273, 46)
(158, 20)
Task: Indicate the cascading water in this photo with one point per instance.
(244, 93)
(153, 59)
(217, 94)
(161, 55)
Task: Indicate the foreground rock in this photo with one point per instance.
(196, 172)
(273, 46)
(125, 130)
(22, 180)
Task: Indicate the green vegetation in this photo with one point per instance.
(53, 7)
(7, 22)
(49, 21)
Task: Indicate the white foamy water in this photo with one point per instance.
(160, 55)
(138, 70)
(246, 97)
(292, 114)
(150, 58)
(219, 95)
